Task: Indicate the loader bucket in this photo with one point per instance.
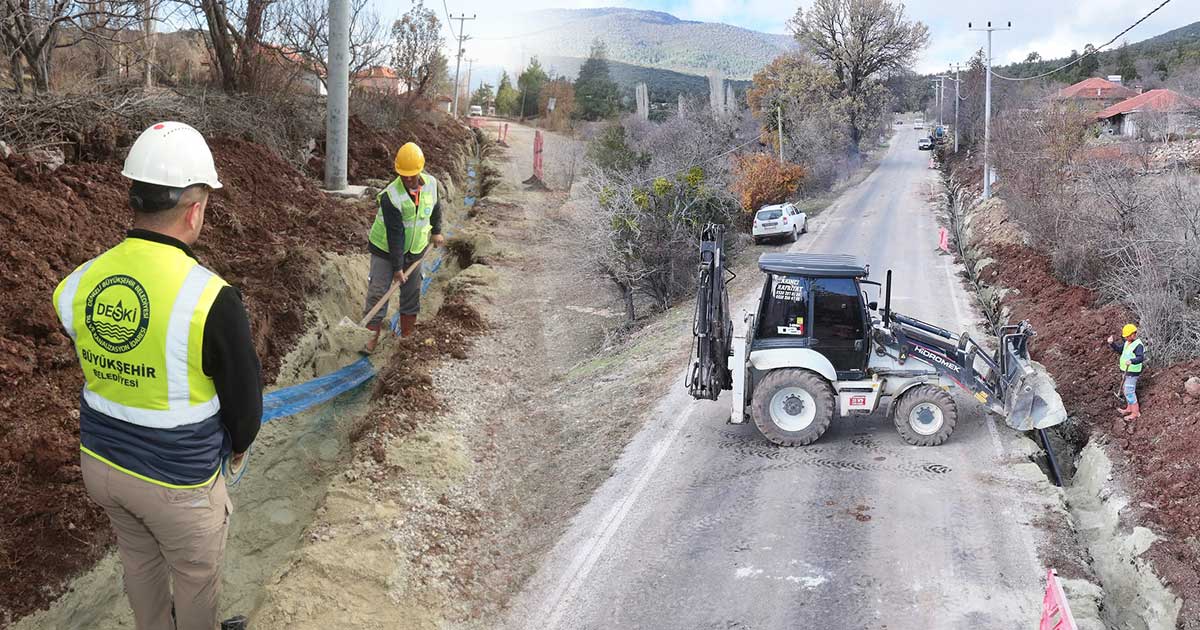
(1031, 401)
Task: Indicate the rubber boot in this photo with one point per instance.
(1134, 412)
(408, 324)
(1126, 410)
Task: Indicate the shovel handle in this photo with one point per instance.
(387, 296)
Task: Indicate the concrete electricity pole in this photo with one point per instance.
(337, 105)
(462, 38)
(987, 106)
(470, 65)
(937, 97)
(957, 84)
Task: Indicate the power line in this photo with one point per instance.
(449, 20)
(1085, 55)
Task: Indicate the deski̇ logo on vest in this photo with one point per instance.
(118, 313)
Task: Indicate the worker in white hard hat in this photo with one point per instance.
(408, 220)
(172, 385)
(1131, 363)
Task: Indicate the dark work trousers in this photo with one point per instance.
(381, 279)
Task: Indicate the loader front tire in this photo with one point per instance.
(792, 407)
(925, 416)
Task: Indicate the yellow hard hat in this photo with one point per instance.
(410, 160)
(1129, 329)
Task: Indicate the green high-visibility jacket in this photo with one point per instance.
(416, 217)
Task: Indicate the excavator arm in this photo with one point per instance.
(712, 326)
(1008, 382)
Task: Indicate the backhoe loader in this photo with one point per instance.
(815, 347)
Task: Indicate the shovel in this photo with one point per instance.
(346, 321)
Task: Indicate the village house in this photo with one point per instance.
(1096, 93)
(379, 79)
(1156, 114)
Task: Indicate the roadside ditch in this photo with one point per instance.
(1011, 282)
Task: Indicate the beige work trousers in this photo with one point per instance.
(165, 537)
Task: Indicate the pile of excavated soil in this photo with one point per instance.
(265, 233)
(404, 386)
(1161, 450)
(372, 151)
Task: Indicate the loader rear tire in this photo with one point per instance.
(792, 407)
(925, 416)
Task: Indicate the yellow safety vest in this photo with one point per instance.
(417, 227)
(1125, 363)
(136, 314)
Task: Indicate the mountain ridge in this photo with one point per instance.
(654, 39)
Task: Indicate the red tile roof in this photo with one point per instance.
(1096, 88)
(377, 72)
(1155, 100)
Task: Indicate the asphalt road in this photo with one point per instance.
(705, 525)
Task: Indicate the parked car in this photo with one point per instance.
(918, 124)
(476, 110)
(925, 144)
(779, 220)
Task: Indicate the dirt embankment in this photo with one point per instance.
(266, 233)
(1158, 456)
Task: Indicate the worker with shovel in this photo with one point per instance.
(408, 219)
(171, 385)
(1133, 357)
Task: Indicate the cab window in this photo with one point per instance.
(785, 308)
(837, 310)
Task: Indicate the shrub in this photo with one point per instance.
(761, 179)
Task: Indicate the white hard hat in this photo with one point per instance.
(171, 154)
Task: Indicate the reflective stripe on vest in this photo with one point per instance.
(416, 217)
(1127, 356)
(137, 315)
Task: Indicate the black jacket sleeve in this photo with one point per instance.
(435, 218)
(1117, 346)
(230, 359)
(394, 222)
(1139, 354)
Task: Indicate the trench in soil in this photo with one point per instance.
(1132, 596)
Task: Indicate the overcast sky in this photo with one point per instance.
(1051, 27)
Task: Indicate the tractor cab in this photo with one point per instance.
(815, 301)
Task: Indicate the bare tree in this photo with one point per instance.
(31, 30)
(302, 27)
(416, 54)
(861, 40)
(649, 207)
(1154, 267)
(235, 31)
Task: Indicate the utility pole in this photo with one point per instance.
(779, 114)
(337, 105)
(941, 99)
(937, 97)
(470, 64)
(462, 38)
(957, 84)
(987, 106)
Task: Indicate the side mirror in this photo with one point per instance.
(874, 306)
